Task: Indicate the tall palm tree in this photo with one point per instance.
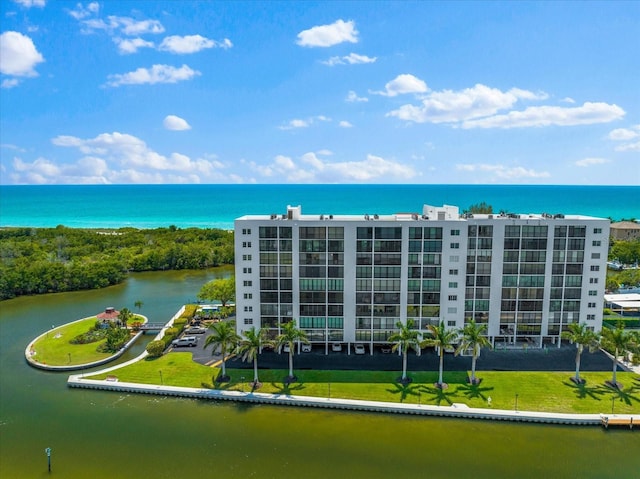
(138, 304)
(616, 341)
(442, 338)
(403, 339)
(123, 316)
(290, 336)
(250, 347)
(224, 337)
(582, 336)
(473, 337)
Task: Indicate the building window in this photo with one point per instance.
(453, 297)
(246, 257)
(593, 292)
(455, 232)
(595, 268)
(455, 245)
(246, 270)
(591, 316)
(452, 310)
(248, 308)
(248, 295)
(454, 259)
(453, 284)
(453, 272)
(451, 324)
(246, 244)
(597, 230)
(596, 243)
(248, 320)
(592, 305)
(247, 283)
(246, 231)
(593, 280)
(595, 255)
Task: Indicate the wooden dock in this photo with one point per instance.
(618, 421)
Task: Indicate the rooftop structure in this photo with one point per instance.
(351, 278)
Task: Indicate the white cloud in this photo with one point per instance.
(124, 25)
(126, 45)
(629, 147)
(31, 3)
(352, 97)
(18, 55)
(402, 84)
(345, 124)
(9, 83)
(190, 44)
(536, 116)
(303, 123)
(328, 35)
(172, 122)
(585, 162)
(568, 100)
(503, 172)
(454, 106)
(351, 59)
(82, 12)
(623, 134)
(156, 74)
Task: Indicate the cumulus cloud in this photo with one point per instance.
(455, 106)
(402, 84)
(81, 12)
(31, 3)
(536, 116)
(303, 123)
(153, 75)
(9, 83)
(191, 44)
(123, 25)
(345, 124)
(131, 45)
(172, 122)
(352, 97)
(502, 172)
(623, 134)
(314, 167)
(351, 59)
(329, 35)
(586, 162)
(18, 56)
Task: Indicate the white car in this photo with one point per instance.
(336, 347)
(190, 341)
(358, 348)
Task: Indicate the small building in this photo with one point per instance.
(109, 315)
(625, 230)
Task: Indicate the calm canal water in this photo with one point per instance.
(110, 435)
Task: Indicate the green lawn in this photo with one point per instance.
(537, 391)
(54, 349)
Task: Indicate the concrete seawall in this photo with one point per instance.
(455, 411)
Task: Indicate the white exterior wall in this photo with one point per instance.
(451, 310)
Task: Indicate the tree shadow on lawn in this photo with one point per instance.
(474, 391)
(438, 395)
(583, 391)
(286, 387)
(405, 390)
(625, 395)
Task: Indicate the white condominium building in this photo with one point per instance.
(351, 278)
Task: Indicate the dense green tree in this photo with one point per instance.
(223, 290)
(473, 337)
(405, 338)
(582, 337)
(480, 208)
(224, 338)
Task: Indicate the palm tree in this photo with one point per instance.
(289, 336)
(403, 339)
(473, 338)
(250, 347)
(123, 316)
(225, 338)
(615, 341)
(442, 338)
(582, 336)
(138, 304)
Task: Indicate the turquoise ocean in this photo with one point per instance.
(216, 206)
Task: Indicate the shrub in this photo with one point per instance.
(179, 324)
(155, 348)
(136, 325)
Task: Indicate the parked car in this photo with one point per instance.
(386, 348)
(196, 330)
(358, 348)
(336, 347)
(190, 341)
(306, 348)
(285, 348)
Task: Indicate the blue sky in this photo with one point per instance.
(319, 92)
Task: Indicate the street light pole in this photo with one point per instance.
(48, 453)
(516, 402)
(161, 380)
